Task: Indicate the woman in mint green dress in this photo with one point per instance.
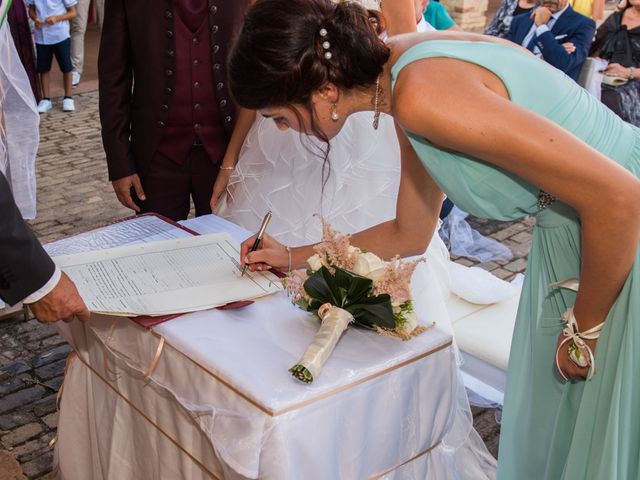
(504, 135)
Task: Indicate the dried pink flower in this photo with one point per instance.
(294, 283)
(396, 280)
(334, 249)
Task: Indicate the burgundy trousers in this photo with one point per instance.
(170, 186)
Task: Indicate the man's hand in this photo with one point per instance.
(569, 47)
(541, 16)
(219, 188)
(51, 20)
(61, 303)
(38, 23)
(123, 187)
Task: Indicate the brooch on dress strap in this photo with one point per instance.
(545, 199)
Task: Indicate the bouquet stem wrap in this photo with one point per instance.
(335, 321)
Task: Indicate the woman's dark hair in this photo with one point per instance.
(278, 58)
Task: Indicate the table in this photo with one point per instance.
(208, 395)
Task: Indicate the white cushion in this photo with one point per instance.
(485, 331)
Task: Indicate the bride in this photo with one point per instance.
(285, 173)
(356, 188)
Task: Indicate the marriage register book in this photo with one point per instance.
(165, 277)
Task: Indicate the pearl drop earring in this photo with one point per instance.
(334, 112)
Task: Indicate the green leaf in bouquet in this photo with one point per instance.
(373, 311)
(336, 284)
(317, 287)
(352, 292)
(358, 287)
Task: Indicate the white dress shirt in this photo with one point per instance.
(537, 31)
(46, 288)
(51, 34)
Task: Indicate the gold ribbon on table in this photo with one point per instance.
(149, 420)
(154, 362)
(426, 452)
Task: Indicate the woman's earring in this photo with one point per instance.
(334, 112)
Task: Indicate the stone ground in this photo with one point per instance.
(74, 195)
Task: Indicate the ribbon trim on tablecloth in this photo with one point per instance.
(426, 452)
(297, 406)
(154, 362)
(138, 410)
(143, 415)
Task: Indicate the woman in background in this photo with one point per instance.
(618, 42)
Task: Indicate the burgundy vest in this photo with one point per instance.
(193, 112)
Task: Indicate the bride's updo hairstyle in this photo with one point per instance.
(287, 49)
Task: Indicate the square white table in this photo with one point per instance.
(208, 395)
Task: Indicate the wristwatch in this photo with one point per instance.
(631, 74)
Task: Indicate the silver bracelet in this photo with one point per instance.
(289, 254)
(227, 168)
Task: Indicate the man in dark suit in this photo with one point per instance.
(166, 113)
(27, 273)
(557, 33)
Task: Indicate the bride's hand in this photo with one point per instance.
(219, 187)
(270, 254)
(570, 369)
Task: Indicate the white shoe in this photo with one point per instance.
(75, 79)
(68, 105)
(44, 106)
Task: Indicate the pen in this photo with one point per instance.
(256, 243)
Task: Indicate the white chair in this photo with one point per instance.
(483, 334)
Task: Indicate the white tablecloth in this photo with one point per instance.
(208, 395)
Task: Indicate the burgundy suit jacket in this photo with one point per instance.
(136, 67)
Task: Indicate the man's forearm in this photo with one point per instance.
(24, 265)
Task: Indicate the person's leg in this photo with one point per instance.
(78, 27)
(66, 76)
(44, 55)
(44, 79)
(203, 171)
(62, 52)
(166, 187)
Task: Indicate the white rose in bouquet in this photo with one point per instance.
(376, 274)
(315, 263)
(368, 262)
(410, 323)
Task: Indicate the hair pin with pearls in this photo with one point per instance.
(325, 43)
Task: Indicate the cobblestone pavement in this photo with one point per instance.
(74, 195)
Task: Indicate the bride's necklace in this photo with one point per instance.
(376, 104)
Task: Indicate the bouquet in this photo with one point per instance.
(345, 286)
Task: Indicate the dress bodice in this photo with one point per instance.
(484, 189)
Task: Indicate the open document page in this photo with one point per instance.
(165, 277)
(141, 229)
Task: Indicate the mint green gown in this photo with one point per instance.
(551, 430)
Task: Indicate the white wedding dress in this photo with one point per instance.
(284, 172)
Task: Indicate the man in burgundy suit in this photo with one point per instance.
(165, 110)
